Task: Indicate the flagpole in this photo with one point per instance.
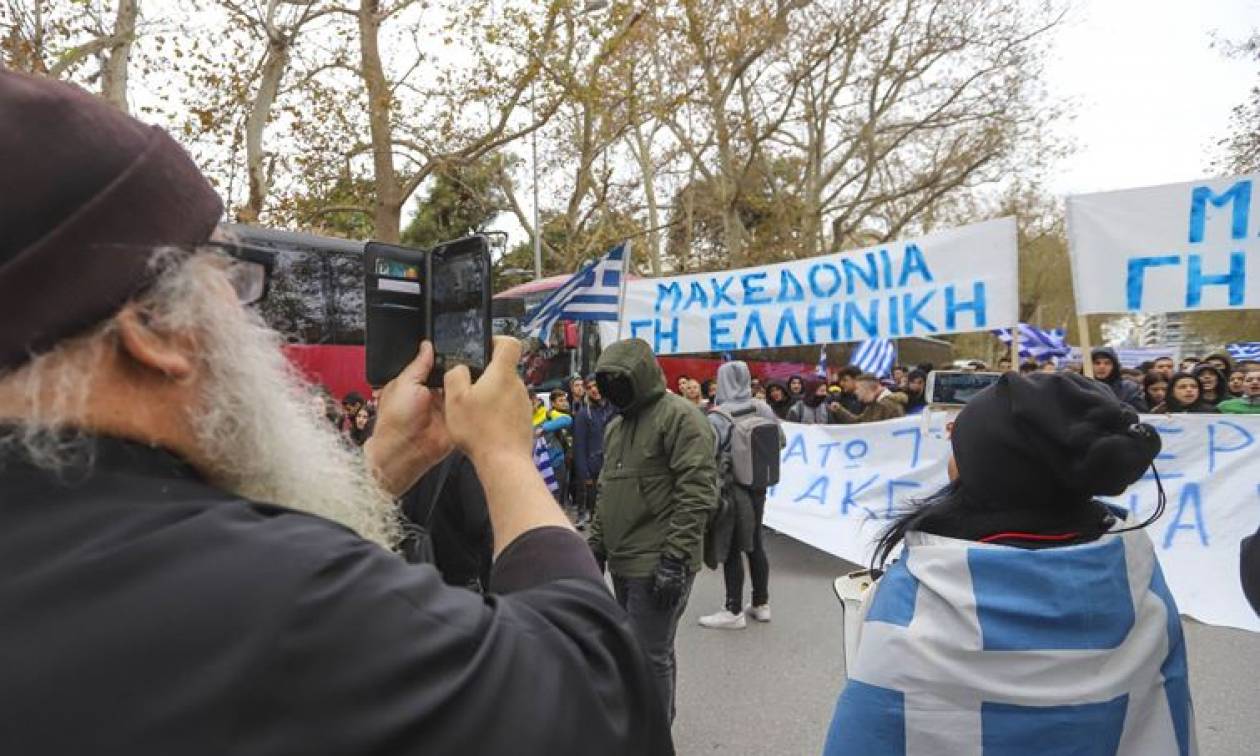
(1015, 358)
(621, 298)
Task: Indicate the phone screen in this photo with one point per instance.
(460, 287)
(950, 387)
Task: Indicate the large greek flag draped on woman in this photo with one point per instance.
(971, 648)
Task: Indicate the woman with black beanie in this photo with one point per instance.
(1017, 593)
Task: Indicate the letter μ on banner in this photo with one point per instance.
(1170, 248)
(955, 281)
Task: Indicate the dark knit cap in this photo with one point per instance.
(1050, 438)
(87, 193)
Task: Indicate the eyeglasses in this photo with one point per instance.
(248, 267)
(249, 271)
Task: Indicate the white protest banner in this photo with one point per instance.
(840, 485)
(963, 279)
(1170, 248)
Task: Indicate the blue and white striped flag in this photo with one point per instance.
(542, 460)
(875, 356)
(981, 648)
(592, 294)
(1244, 350)
(821, 370)
(1037, 343)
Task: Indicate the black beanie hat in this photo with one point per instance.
(1050, 438)
(86, 193)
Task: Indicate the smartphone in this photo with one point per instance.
(394, 295)
(460, 308)
(956, 387)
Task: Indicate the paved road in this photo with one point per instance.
(770, 689)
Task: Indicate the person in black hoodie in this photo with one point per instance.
(796, 388)
(1107, 370)
(779, 398)
(1214, 383)
(1185, 394)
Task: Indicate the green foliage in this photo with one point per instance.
(460, 200)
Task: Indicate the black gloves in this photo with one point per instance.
(669, 582)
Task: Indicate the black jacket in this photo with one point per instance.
(147, 612)
(463, 542)
(1126, 391)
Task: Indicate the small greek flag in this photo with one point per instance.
(542, 460)
(821, 370)
(1037, 343)
(1244, 350)
(985, 649)
(592, 294)
(875, 356)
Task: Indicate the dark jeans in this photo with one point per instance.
(655, 629)
(758, 565)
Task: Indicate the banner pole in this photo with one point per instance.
(621, 297)
(1015, 359)
(1087, 364)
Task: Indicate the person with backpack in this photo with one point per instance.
(749, 439)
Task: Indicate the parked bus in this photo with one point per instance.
(316, 301)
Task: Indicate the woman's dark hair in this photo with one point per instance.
(1171, 401)
(360, 437)
(1150, 379)
(942, 508)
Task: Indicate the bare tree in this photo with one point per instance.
(57, 38)
(278, 25)
(494, 87)
(907, 101)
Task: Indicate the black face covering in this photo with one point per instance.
(616, 388)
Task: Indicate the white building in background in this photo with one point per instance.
(1171, 330)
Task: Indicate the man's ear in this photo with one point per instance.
(151, 349)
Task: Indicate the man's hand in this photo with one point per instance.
(492, 422)
(492, 418)
(411, 435)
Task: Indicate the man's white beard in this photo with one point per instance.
(265, 440)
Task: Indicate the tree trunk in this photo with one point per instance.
(386, 204)
(273, 68)
(117, 61)
(647, 168)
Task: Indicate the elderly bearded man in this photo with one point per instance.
(190, 560)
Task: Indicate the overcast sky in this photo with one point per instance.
(1152, 95)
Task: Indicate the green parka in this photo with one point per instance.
(658, 485)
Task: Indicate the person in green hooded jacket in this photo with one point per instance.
(657, 490)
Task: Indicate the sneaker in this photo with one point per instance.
(724, 620)
(759, 613)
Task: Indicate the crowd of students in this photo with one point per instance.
(573, 419)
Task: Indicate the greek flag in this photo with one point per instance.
(591, 294)
(987, 649)
(875, 356)
(821, 370)
(542, 460)
(1244, 350)
(1037, 343)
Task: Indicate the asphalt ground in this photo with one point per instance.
(771, 688)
